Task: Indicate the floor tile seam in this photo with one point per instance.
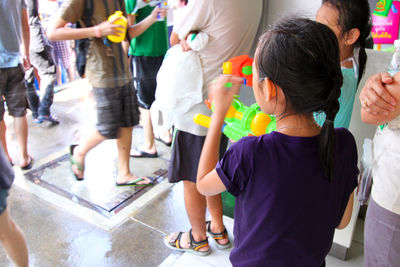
(148, 226)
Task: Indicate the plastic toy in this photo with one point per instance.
(241, 121)
(240, 66)
(124, 24)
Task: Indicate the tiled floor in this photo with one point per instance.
(60, 232)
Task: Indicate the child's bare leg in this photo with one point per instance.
(124, 143)
(13, 240)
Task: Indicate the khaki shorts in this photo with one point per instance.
(13, 91)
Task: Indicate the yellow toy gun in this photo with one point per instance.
(241, 121)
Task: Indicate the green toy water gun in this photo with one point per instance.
(241, 121)
(383, 7)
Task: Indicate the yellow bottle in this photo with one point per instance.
(121, 21)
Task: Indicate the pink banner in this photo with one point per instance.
(385, 30)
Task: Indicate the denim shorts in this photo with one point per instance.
(3, 200)
(13, 89)
(116, 108)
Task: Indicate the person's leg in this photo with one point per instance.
(381, 236)
(214, 205)
(184, 159)
(195, 204)
(149, 145)
(124, 142)
(71, 73)
(145, 71)
(33, 98)
(3, 139)
(47, 72)
(83, 148)
(11, 236)
(21, 133)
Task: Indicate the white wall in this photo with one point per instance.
(281, 8)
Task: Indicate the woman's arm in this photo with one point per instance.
(380, 118)
(208, 181)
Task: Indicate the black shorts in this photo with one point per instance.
(116, 108)
(185, 156)
(13, 89)
(145, 71)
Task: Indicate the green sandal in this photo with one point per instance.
(194, 246)
(74, 162)
(218, 236)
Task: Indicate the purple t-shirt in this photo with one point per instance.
(286, 211)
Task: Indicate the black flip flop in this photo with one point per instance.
(162, 141)
(27, 167)
(144, 154)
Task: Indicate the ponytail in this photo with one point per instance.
(327, 136)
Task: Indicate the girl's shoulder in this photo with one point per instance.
(345, 143)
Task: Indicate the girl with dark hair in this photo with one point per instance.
(294, 186)
(351, 22)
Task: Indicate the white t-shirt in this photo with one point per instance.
(386, 167)
(231, 26)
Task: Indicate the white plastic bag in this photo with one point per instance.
(365, 183)
(179, 84)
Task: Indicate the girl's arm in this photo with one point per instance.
(347, 213)
(208, 181)
(380, 118)
(135, 30)
(57, 30)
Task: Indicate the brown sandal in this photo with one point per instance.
(194, 246)
(218, 236)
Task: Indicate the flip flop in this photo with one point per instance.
(74, 162)
(27, 167)
(144, 154)
(136, 181)
(162, 141)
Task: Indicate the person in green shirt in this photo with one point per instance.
(147, 51)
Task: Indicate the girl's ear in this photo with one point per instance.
(270, 89)
(352, 36)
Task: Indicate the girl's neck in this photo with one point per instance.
(297, 125)
(347, 52)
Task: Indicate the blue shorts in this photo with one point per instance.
(3, 200)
